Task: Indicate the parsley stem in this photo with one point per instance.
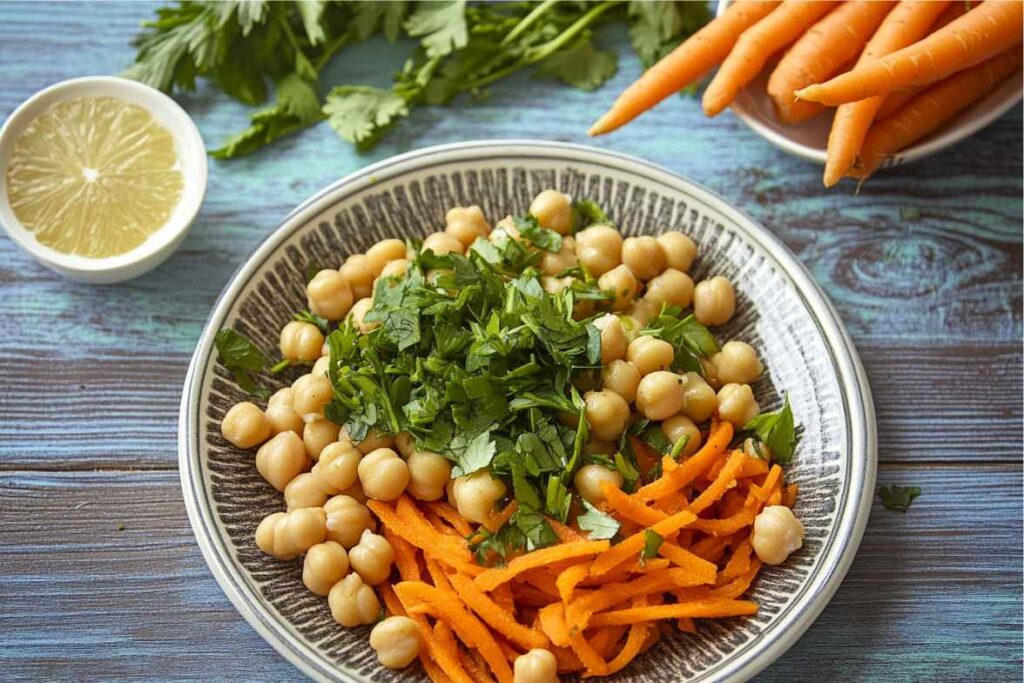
(281, 365)
(527, 20)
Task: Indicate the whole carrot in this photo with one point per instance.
(903, 26)
(973, 38)
(697, 55)
(756, 45)
(819, 54)
(932, 108)
(894, 101)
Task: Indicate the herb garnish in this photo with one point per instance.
(777, 430)
(243, 360)
(898, 497)
(243, 47)
(599, 525)
(652, 543)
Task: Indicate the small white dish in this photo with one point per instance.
(191, 157)
(809, 140)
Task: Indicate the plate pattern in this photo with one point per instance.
(227, 498)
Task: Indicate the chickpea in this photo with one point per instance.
(281, 414)
(383, 474)
(396, 268)
(353, 603)
(347, 518)
(660, 395)
(675, 428)
(613, 339)
(554, 285)
(642, 311)
(322, 366)
(428, 473)
(607, 414)
(442, 243)
(699, 400)
(757, 449)
(304, 492)
(737, 363)
(466, 224)
(599, 249)
(622, 377)
(312, 393)
(335, 471)
(777, 534)
(329, 294)
(536, 666)
(405, 444)
(358, 315)
(620, 282)
(476, 494)
(245, 425)
(588, 482)
(317, 435)
(374, 440)
(710, 373)
(504, 231)
(680, 251)
(553, 210)
(356, 270)
(649, 354)
(714, 301)
(644, 256)
(325, 565)
(672, 287)
(281, 459)
(736, 404)
(600, 448)
(381, 253)
(553, 263)
(301, 341)
(371, 558)
(285, 535)
(397, 642)
(355, 492)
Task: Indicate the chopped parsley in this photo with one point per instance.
(598, 524)
(898, 497)
(652, 543)
(778, 430)
(243, 360)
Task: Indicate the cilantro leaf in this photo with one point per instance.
(898, 497)
(477, 454)
(361, 114)
(778, 430)
(652, 542)
(581, 65)
(440, 26)
(600, 525)
(242, 359)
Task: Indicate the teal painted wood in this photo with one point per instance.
(90, 376)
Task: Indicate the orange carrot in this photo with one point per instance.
(753, 48)
(566, 534)
(790, 494)
(445, 653)
(579, 612)
(981, 34)
(700, 53)
(499, 519)
(904, 25)
(703, 570)
(628, 507)
(593, 663)
(695, 465)
(895, 100)
(570, 578)
(631, 547)
(449, 514)
(700, 609)
(391, 601)
(723, 481)
(492, 578)
(415, 530)
(405, 556)
(552, 623)
(638, 634)
(934, 107)
(819, 54)
(494, 616)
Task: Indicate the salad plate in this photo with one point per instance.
(782, 313)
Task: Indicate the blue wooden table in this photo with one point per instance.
(100, 577)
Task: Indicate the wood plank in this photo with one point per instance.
(934, 594)
(120, 411)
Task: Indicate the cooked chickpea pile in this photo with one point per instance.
(325, 476)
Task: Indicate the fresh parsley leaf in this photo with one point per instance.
(778, 430)
(312, 12)
(628, 470)
(305, 316)
(652, 543)
(242, 359)
(599, 525)
(534, 527)
(440, 26)
(898, 497)
(581, 65)
(361, 114)
(477, 454)
(657, 27)
(679, 446)
(528, 227)
(522, 489)
(655, 438)
(558, 501)
(387, 16)
(587, 212)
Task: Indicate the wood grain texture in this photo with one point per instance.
(90, 377)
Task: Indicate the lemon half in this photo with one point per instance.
(94, 176)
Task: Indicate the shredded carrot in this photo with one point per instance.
(686, 625)
(405, 556)
(415, 530)
(444, 653)
(498, 520)
(579, 612)
(565, 533)
(630, 547)
(739, 562)
(593, 664)
(717, 441)
(469, 628)
(699, 567)
(702, 609)
(638, 634)
(570, 578)
(449, 514)
(439, 578)
(391, 601)
(789, 495)
(552, 623)
(629, 507)
(605, 639)
(645, 455)
(727, 525)
(723, 481)
(474, 663)
(740, 584)
(763, 491)
(492, 578)
(503, 596)
(494, 616)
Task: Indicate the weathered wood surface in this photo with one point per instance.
(90, 377)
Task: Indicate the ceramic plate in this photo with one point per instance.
(781, 312)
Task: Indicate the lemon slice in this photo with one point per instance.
(94, 176)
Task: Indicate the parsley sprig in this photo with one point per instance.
(249, 47)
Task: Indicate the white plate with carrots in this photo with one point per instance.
(881, 83)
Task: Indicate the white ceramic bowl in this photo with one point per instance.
(192, 163)
(809, 140)
(781, 312)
